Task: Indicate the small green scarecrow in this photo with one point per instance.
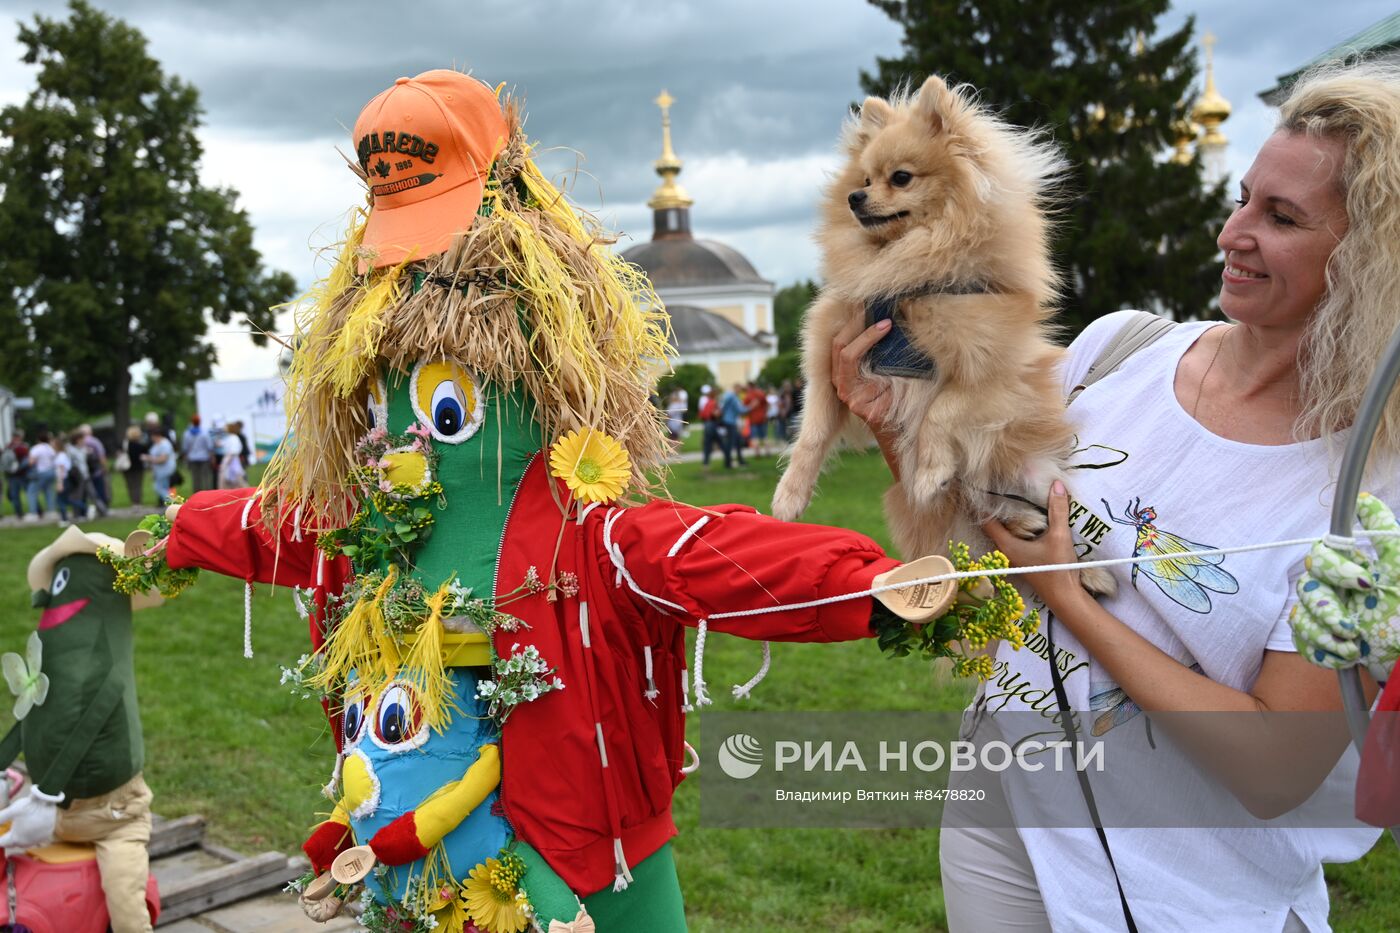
(78, 725)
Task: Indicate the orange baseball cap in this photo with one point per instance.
(426, 145)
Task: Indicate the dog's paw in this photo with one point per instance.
(1098, 580)
(1026, 525)
(788, 502)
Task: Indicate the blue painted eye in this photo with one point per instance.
(353, 720)
(398, 720)
(449, 408)
(447, 400)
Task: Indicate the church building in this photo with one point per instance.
(721, 309)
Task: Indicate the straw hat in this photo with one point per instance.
(76, 541)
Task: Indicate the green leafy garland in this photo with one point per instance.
(149, 571)
(986, 608)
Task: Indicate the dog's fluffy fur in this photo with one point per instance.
(971, 213)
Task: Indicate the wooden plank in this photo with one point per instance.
(173, 835)
(226, 884)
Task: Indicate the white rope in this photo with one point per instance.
(651, 692)
(702, 697)
(742, 691)
(623, 877)
(1015, 571)
(686, 705)
(247, 620)
(687, 535)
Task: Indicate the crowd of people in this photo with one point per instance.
(743, 417)
(70, 472)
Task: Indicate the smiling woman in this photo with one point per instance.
(1219, 435)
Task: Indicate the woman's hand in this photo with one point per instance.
(869, 398)
(1059, 588)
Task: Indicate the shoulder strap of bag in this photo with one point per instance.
(1142, 329)
(1071, 735)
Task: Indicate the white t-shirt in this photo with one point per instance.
(1148, 472)
(42, 456)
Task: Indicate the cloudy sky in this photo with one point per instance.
(761, 89)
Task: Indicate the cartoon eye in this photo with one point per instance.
(398, 720)
(60, 581)
(447, 400)
(376, 403)
(353, 721)
(901, 178)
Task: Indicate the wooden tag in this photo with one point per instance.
(320, 888)
(136, 543)
(924, 602)
(353, 865)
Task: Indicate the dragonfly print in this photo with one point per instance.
(1186, 578)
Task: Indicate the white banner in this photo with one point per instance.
(255, 402)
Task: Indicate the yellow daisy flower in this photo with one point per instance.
(491, 897)
(594, 465)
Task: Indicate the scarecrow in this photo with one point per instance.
(77, 723)
(497, 601)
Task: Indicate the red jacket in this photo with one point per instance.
(643, 574)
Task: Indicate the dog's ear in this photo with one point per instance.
(875, 113)
(935, 103)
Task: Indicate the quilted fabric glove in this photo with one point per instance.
(1348, 609)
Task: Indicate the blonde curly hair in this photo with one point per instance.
(1358, 105)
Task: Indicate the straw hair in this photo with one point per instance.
(532, 293)
(1358, 105)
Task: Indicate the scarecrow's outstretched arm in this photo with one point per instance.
(729, 557)
(223, 531)
(411, 836)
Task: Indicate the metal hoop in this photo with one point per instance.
(1368, 419)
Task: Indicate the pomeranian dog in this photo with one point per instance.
(939, 216)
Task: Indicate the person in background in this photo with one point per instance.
(68, 479)
(99, 494)
(708, 413)
(771, 399)
(41, 476)
(731, 411)
(198, 451)
(232, 474)
(134, 447)
(14, 463)
(675, 416)
(161, 459)
(785, 410)
(246, 453)
(756, 407)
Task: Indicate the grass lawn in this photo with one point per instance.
(223, 739)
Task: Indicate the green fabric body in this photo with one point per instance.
(85, 739)
(652, 902)
(479, 477)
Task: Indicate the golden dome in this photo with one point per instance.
(1211, 108)
(669, 193)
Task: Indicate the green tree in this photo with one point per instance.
(688, 376)
(114, 252)
(1137, 230)
(784, 366)
(790, 306)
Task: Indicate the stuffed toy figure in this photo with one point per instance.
(78, 726)
(496, 594)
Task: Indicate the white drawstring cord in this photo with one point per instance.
(742, 691)
(702, 696)
(651, 692)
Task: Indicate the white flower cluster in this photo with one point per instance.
(520, 678)
(306, 668)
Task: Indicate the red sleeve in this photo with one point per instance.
(729, 557)
(220, 530)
